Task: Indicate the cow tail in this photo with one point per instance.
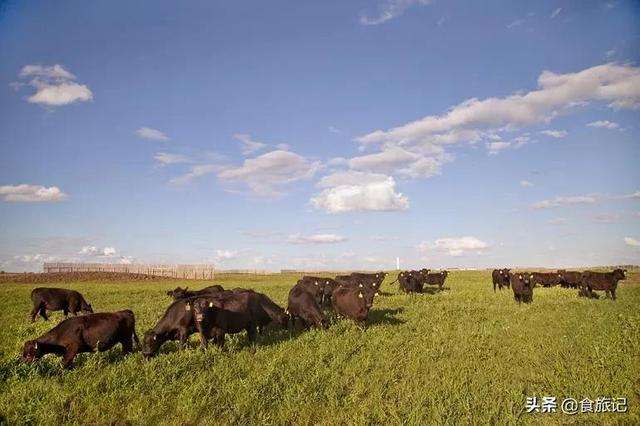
(394, 281)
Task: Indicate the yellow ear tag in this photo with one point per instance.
(360, 295)
(211, 304)
(187, 308)
(360, 285)
(520, 276)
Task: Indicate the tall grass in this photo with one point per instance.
(464, 355)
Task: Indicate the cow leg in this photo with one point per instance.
(34, 312)
(204, 341)
(43, 312)
(183, 335)
(127, 345)
(69, 354)
(65, 311)
(613, 293)
(494, 287)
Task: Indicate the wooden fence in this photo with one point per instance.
(173, 271)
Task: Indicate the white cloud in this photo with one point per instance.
(604, 124)
(526, 184)
(556, 12)
(224, 255)
(631, 242)
(495, 147)
(474, 119)
(55, 86)
(31, 194)
(455, 246)
(390, 9)
(515, 23)
(316, 239)
(358, 191)
(564, 201)
(88, 250)
(558, 221)
(196, 171)
(608, 217)
(558, 134)
(334, 129)
(165, 158)
(249, 146)
(267, 174)
(151, 134)
(394, 159)
(108, 252)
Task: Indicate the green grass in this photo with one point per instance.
(465, 355)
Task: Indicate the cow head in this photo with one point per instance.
(178, 293)
(366, 295)
(200, 309)
(31, 351)
(619, 274)
(86, 308)
(150, 344)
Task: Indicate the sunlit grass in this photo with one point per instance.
(464, 355)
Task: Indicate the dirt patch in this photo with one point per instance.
(31, 278)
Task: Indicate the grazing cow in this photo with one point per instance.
(177, 323)
(302, 305)
(267, 311)
(373, 281)
(500, 278)
(226, 313)
(57, 299)
(545, 279)
(437, 278)
(570, 279)
(607, 281)
(584, 292)
(320, 288)
(183, 293)
(89, 333)
(522, 286)
(353, 302)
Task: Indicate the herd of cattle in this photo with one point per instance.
(214, 312)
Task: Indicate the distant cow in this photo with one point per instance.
(522, 286)
(227, 313)
(607, 281)
(437, 278)
(89, 333)
(353, 302)
(500, 278)
(570, 279)
(320, 287)
(412, 281)
(373, 281)
(182, 293)
(57, 299)
(545, 279)
(177, 323)
(303, 305)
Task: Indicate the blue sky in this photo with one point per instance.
(320, 134)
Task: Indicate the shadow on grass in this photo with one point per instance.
(385, 316)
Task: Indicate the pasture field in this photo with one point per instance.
(465, 355)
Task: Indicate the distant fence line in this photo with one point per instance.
(173, 271)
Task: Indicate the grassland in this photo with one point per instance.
(464, 355)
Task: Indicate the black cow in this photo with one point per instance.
(182, 293)
(570, 279)
(437, 278)
(545, 279)
(226, 313)
(500, 278)
(607, 281)
(177, 323)
(57, 299)
(412, 281)
(353, 302)
(522, 286)
(303, 305)
(373, 281)
(320, 288)
(267, 312)
(88, 333)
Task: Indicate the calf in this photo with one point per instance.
(522, 286)
(607, 281)
(437, 278)
(88, 333)
(570, 279)
(177, 323)
(302, 305)
(353, 302)
(227, 313)
(545, 279)
(57, 299)
(500, 278)
(183, 293)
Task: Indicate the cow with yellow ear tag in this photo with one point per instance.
(353, 302)
(522, 286)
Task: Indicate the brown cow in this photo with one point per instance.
(545, 279)
(570, 279)
(353, 302)
(500, 278)
(437, 278)
(303, 305)
(183, 293)
(607, 281)
(88, 333)
(57, 299)
(522, 286)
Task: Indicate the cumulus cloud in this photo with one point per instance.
(151, 134)
(54, 85)
(165, 158)
(196, 171)
(604, 124)
(249, 146)
(526, 184)
(316, 239)
(31, 194)
(475, 119)
(93, 251)
(88, 250)
(224, 255)
(631, 242)
(495, 147)
(564, 201)
(391, 9)
(558, 134)
(397, 160)
(267, 174)
(455, 246)
(353, 191)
